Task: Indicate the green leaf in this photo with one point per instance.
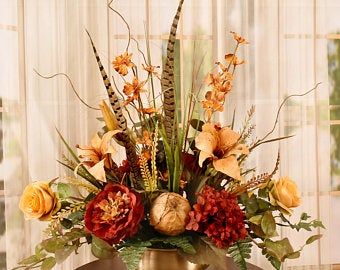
(304, 216)
(64, 190)
(76, 216)
(250, 203)
(74, 234)
(182, 242)
(90, 197)
(263, 193)
(313, 238)
(131, 256)
(263, 205)
(30, 260)
(66, 223)
(318, 224)
(256, 219)
(268, 224)
(62, 254)
(274, 261)
(240, 251)
(73, 154)
(293, 255)
(279, 249)
(48, 263)
(39, 251)
(101, 249)
(52, 244)
(197, 124)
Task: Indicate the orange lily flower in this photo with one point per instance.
(222, 146)
(98, 155)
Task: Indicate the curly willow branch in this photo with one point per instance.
(281, 106)
(72, 86)
(126, 23)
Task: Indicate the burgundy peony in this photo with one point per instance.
(218, 215)
(114, 214)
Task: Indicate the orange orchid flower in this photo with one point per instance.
(233, 58)
(133, 90)
(122, 63)
(222, 146)
(239, 39)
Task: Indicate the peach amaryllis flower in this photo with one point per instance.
(133, 90)
(222, 146)
(122, 63)
(98, 155)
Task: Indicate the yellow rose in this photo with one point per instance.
(39, 201)
(286, 193)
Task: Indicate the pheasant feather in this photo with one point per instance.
(115, 104)
(167, 81)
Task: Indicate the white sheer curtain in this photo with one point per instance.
(287, 54)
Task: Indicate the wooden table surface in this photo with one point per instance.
(117, 264)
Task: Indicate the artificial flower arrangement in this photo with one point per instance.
(193, 193)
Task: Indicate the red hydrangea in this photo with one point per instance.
(218, 215)
(114, 214)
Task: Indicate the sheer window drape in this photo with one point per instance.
(287, 55)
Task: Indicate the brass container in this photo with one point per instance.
(166, 259)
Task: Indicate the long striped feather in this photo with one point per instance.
(115, 104)
(167, 81)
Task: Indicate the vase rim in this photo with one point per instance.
(162, 249)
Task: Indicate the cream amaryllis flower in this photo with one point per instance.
(98, 155)
(221, 144)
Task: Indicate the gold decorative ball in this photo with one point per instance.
(169, 213)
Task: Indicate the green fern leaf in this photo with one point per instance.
(131, 256)
(274, 261)
(240, 251)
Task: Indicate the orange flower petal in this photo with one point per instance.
(228, 138)
(98, 171)
(228, 166)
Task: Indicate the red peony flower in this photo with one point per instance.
(114, 214)
(218, 215)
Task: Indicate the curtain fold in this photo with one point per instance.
(287, 55)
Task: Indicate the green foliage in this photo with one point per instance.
(180, 241)
(280, 249)
(240, 251)
(101, 249)
(83, 172)
(250, 203)
(274, 261)
(303, 223)
(64, 190)
(48, 263)
(268, 224)
(132, 255)
(208, 254)
(313, 238)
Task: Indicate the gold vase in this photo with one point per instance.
(166, 259)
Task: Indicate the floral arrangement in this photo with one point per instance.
(182, 185)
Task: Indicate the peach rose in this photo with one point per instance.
(39, 201)
(286, 193)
